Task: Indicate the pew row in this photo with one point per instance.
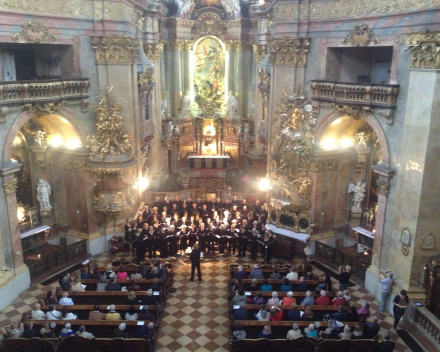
(319, 311)
(106, 298)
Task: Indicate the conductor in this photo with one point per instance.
(195, 262)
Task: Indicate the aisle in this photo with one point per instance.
(196, 316)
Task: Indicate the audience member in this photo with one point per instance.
(254, 285)
(266, 287)
(309, 300)
(113, 286)
(239, 297)
(95, 314)
(372, 328)
(29, 331)
(294, 314)
(83, 333)
(286, 287)
(154, 286)
(311, 331)
(358, 332)
(85, 273)
(364, 312)
(328, 282)
(294, 333)
(102, 284)
(259, 299)
(339, 300)
(274, 301)
(263, 314)
(330, 332)
(241, 313)
(238, 285)
(347, 295)
(131, 314)
(266, 333)
(132, 286)
(308, 314)
(386, 284)
(50, 299)
(122, 274)
(16, 330)
(240, 274)
(67, 330)
(67, 315)
(386, 345)
(276, 314)
(256, 273)
(145, 314)
(135, 275)
(353, 314)
(150, 300)
(37, 313)
(109, 273)
(112, 314)
(292, 275)
(289, 300)
(77, 286)
(65, 282)
(341, 315)
(65, 300)
(323, 300)
(120, 331)
(302, 287)
(146, 332)
(275, 274)
(346, 334)
(239, 334)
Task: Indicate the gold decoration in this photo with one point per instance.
(43, 109)
(260, 52)
(67, 164)
(292, 217)
(361, 36)
(108, 201)
(154, 50)
(209, 23)
(425, 49)
(352, 110)
(109, 140)
(317, 166)
(34, 32)
(10, 185)
(180, 44)
(428, 241)
(79, 165)
(383, 187)
(289, 51)
(116, 50)
(285, 12)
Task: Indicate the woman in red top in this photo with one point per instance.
(122, 274)
(276, 314)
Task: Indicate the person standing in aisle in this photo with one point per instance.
(195, 262)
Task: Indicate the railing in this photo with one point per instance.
(48, 262)
(370, 95)
(428, 322)
(42, 91)
(335, 258)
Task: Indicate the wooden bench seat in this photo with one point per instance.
(319, 311)
(112, 297)
(296, 295)
(267, 270)
(77, 344)
(302, 344)
(101, 328)
(276, 284)
(144, 284)
(82, 311)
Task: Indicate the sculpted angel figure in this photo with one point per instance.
(231, 6)
(358, 190)
(185, 111)
(44, 190)
(183, 6)
(232, 106)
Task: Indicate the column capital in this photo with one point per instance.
(289, 51)
(116, 50)
(154, 50)
(385, 174)
(8, 170)
(260, 52)
(425, 49)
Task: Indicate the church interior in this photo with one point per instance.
(287, 130)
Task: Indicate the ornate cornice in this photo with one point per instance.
(116, 50)
(260, 52)
(289, 51)
(383, 187)
(355, 111)
(34, 32)
(154, 50)
(180, 44)
(10, 185)
(43, 109)
(236, 44)
(425, 49)
(361, 36)
(209, 23)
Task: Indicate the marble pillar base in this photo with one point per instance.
(46, 216)
(355, 218)
(13, 285)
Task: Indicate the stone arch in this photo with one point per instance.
(324, 124)
(26, 116)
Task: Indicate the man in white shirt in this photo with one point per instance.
(52, 313)
(292, 275)
(65, 300)
(83, 333)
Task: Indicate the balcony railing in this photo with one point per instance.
(423, 326)
(369, 95)
(18, 92)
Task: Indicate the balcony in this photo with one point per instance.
(382, 96)
(24, 92)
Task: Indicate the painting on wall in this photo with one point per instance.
(209, 72)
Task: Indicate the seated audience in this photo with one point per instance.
(131, 314)
(309, 276)
(67, 315)
(83, 333)
(95, 314)
(16, 330)
(286, 287)
(339, 300)
(154, 286)
(113, 286)
(294, 333)
(302, 287)
(120, 331)
(347, 295)
(358, 332)
(311, 331)
(292, 275)
(328, 282)
(266, 333)
(109, 273)
(372, 329)
(276, 314)
(50, 299)
(323, 300)
(259, 299)
(346, 334)
(29, 331)
(239, 334)
(353, 314)
(85, 273)
(240, 274)
(294, 314)
(132, 286)
(65, 300)
(254, 285)
(135, 274)
(112, 314)
(67, 331)
(386, 345)
(256, 273)
(341, 315)
(150, 300)
(65, 282)
(45, 331)
(263, 314)
(266, 287)
(241, 313)
(122, 274)
(145, 314)
(239, 297)
(77, 286)
(308, 314)
(37, 313)
(364, 312)
(96, 274)
(309, 300)
(275, 274)
(131, 299)
(146, 332)
(330, 332)
(289, 300)
(101, 286)
(274, 301)
(238, 285)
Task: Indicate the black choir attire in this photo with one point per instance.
(128, 232)
(184, 234)
(203, 239)
(254, 245)
(139, 244)
(192, 236)
(218, 206)
(211, 239)
(227, 206)
(163, 242)
(232, 240)
(399, 311)
(149, 242)
(195, 263)
(172, 242)
(243, 238)
(222, 241)
(205, 213)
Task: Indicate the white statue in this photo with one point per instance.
(232, 7)
(358, 190)
(232, 106)
(185, 112)
(39, 137)
(183, 6)
(43, 192)
(164, 109)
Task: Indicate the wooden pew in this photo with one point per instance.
(105, 298)
(347, 345)
(91, 284)
(102, 328)
(82, 311)
(267, 270)
(297, 295)
(279, 328)
(276, 284)
(77, 344)
(319, 311)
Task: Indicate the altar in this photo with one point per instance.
(208, 161)
(288, 244)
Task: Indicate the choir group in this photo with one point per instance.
(170, 227)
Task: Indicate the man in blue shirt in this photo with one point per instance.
(385, 291)
(241, 313)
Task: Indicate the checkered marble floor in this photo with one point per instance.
(195, 317)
